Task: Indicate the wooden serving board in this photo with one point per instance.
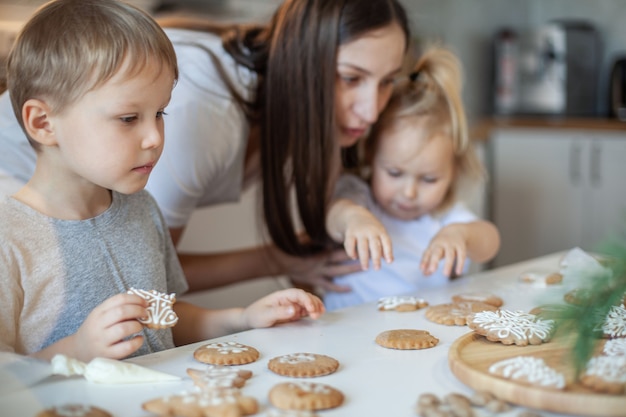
(471, 355)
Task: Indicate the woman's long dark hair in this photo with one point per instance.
(295, 59)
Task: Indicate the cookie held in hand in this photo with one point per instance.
(160, 312)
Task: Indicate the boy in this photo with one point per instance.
(89, 81)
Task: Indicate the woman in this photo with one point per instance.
(275, 102)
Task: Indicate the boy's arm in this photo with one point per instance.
(478, 240)
(362, 234)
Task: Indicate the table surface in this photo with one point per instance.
(376, 381)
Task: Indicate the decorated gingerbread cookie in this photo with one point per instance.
(529, 370)
(605, 374)
(218, 402)
(303, 365)
(226, 353)
(456, 313)
(217, 376)
(301, 395)
(511, 327)
(401, 303)
(406, 339)
(74, 410)
(160, 312)
(615, 323)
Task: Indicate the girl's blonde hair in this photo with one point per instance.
(432, 96)
(70, 47)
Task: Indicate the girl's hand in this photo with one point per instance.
(450, 245)
(108, 330)
(365, 237)
(319, 270)
(282, 306)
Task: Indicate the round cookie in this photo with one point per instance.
(74, 410)
(303, 365)
(301, 395)
(482, 297)
(406, 339)
(226, 353)
(456, 313)
(401, 303)
(160, 312)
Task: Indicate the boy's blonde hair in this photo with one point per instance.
(432, 96)
(70, 47)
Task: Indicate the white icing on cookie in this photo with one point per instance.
(275, 412)
(530, 369)
(296, 358)
(219, 376)
(159, 308)
(310, 387)
(615, 323)
(227, 347)
(609, 368)
(615, 347)
(391, 302)
(519, 324)
(74, 410)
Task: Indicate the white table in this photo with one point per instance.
(376, 381)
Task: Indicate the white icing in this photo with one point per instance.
(108, 371)
(615, 347)
(73, 410)
(519, 324)
(391, 302)
(310, 387)
(227, 347)
(289, 413)
(615, 323)
(530, 369)
(609, 368)
(159, 308)
(219, 376)
(296, 358)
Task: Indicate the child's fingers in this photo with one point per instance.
(387, 248)
(124, 348)
(450, 256)
(376, 252)
(350, 245)
(363, 250)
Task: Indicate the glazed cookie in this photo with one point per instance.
(605, 374)
(219, 402)
(303, 365)
(456, 313)
(483, 297)
(528, 370)
(614, 347)
(401, 303)
(74, 410)
(217, 376)
(511, 327)
(226, 353)
(615, 323)
(406, 339)
(160, 312)
(300, 395)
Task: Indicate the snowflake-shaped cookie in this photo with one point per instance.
(615, 322)
(530, 370)
(401, 303)
(510, 327)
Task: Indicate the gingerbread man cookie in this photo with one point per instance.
(217, 376)
(218, 402)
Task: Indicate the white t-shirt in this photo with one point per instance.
(206, 133)
(409, 239)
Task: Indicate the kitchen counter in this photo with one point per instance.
(482, 129)
(376, 381)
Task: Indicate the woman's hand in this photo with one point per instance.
(318, 271)
(282, 306)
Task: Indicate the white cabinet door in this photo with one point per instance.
(536, 192)
(605, 199)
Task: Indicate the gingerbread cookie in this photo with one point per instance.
(300, 395)
(74, 410)
(219, 377)
(615, 323)
(614, 347)
(277, 412)
(605, 374)
(160, 312)
(456, 313)
(541, 279)
(218, 402)
(577, 296)
(511, 327)
(482, 297)
(528, 370)
(226, 353)
(401, 303)
(406, 339)
(303, 365)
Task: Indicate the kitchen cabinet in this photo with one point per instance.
(554, 189)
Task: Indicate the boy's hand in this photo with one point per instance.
(365, 237)
(108, 329)
(450, 245)
(282, 306)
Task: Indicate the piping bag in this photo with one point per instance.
(108, 371)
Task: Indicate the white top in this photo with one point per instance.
(409, 239)
(205, 132)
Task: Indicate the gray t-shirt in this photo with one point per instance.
(53, 272)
